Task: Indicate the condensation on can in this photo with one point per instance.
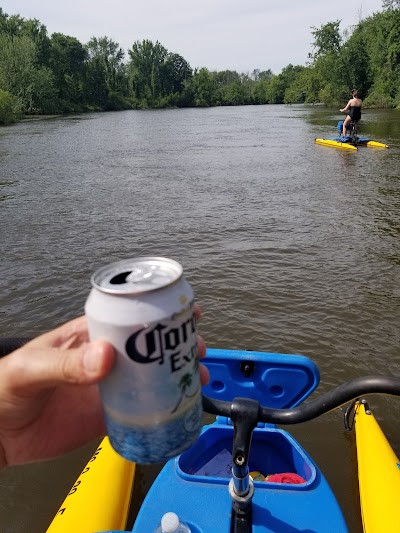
(151, 399)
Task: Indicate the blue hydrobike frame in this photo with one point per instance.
(209, 486)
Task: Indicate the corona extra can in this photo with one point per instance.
(152, 397)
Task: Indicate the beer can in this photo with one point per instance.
(152, 397)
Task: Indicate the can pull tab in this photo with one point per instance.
(139, 274)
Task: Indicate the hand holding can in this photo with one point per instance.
(152, 398)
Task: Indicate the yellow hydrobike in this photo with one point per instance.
(350, 141)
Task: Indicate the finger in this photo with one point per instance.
(204, 375)
(33, 369)
(197, 311)
(71, 334)
(201, 347)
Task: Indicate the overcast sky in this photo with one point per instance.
(239, 35)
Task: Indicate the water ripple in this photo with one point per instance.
(290, 247)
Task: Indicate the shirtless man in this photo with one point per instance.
(353, 108)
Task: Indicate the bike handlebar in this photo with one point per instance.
(327, 402)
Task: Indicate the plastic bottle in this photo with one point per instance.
(170, 523)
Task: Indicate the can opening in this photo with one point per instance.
(119, 279)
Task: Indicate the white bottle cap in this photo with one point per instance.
(170, 522)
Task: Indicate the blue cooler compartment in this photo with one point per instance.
(273, 451)
(195, 484)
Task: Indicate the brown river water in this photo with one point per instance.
(291, 247)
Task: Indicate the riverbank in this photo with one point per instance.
(31, 118)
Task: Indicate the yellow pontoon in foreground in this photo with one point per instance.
(100, 497)
(378, 474)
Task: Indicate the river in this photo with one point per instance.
(291, 247)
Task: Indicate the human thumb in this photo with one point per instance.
(98, 359)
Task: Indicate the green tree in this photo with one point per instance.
(203, 88)
(22, 77)
(265, 75)
(146, 69)
(174, 73)
(355, 64)
(38, 33)
(327, 60)
(15, 26)
(3, 21)
(95, 89)
(233, 88)
(157, 77)
(106, 80)
(327, 40)
(290, 73)
(276, 90)
(382, 45)
(226, 77)
(306, 88)
(9, 108)
(107, 53)
(259, 92)
(67, 61)
(235, 94)
(222, 80)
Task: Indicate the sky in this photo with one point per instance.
(240, 35)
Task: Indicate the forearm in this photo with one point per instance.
(347, 107)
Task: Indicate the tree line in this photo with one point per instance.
(42, 74)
